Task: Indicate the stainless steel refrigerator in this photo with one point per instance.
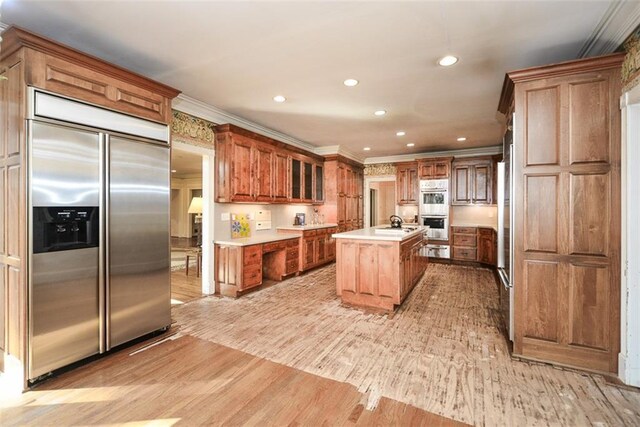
(506, 232)
(99, 268)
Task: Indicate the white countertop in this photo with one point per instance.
(471, 224)
(370, 234)
(306, 227)
(257, 240)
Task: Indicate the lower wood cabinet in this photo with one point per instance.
(317, 247)
(476, 244)
(241, 268)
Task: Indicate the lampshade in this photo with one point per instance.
(196, 206)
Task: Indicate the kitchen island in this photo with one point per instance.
(377, 268)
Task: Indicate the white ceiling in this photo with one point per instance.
(185, 164)
(238, 55)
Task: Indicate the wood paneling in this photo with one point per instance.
(15, 212)
(590, 201)
(567, 212)
(541, 300)
(367, 272)
(541, 223)
(590, 306)
(281, 176)
(482, 184)
(242, 170)
(344, 188)
(264, 158)
(542, 126)
(589, 122)
(472, 181)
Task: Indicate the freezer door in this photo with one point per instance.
(64, 293)
(138, 277)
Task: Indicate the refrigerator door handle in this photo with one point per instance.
(101, 247)
(107, 251)
(501, 236)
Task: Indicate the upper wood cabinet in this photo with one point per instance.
(407, 183)
(254, 168)
(566, 138)
(472, 181)
(434, 168)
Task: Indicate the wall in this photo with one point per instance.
(281, 215)
(181, 190)
(480, 215)
(386, 203)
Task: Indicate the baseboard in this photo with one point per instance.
(12, 379)
(629, 375)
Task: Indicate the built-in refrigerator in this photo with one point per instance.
(506, 232)
(99, 194)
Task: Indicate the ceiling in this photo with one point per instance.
(185, 163)
(237, 55)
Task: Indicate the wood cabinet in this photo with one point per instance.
(239, 269)
(317, 247)
(567, 211)
(472, 181)
(435, 168)
(30, 61)
(252, 168)
(378, 274)
(475, 244)
(407, 183)
(344, 190)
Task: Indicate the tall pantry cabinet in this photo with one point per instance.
(567, 211)
(344, 188)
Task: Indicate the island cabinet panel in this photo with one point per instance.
(567, 211)
(407, 183)
(344, 190)
(378, 274)
(252, 168)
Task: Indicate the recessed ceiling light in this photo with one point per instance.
(447, 61)
(411, 144)
(401, 133)
(380, 112)
(279, 98)
(173, 171)
(350, 82)
(367, 148)
(462, 138)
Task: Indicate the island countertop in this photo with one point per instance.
(371, 234)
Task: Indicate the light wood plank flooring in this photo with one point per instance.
(188, 381)
(443, 351)
(185, 288)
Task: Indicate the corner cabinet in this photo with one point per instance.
(252, 168)
(407, 184)
(472, 181)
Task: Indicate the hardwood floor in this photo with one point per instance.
(189, 381)
(185, 288)
(443, 351)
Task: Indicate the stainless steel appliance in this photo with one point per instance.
(99, 230)
(505, 232)
(434, 197)
(438, 226)
(438, 251)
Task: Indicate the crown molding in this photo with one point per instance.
(465, 152)
(3, 27)
(620, 19)
(192, 106)
(338, 150)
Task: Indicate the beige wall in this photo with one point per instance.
(386, 202)
(181, 191)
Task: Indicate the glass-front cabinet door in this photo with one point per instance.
(308, 181)
(296, 179)
(319, 175)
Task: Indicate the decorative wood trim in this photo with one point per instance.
(15, 38)
(380, 169)
(343, 159)
(192, 130)
(465, 152)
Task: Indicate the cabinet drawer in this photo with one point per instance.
(251, 276)
(292, 266)
(293, 242)
(485, 231)
(464, 230)
(252, 255)
(464, 240)
(293, 253)
(273, 246)
(468, 254)
(309, 233)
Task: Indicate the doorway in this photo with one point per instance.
(186, 226)
(382, 202)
